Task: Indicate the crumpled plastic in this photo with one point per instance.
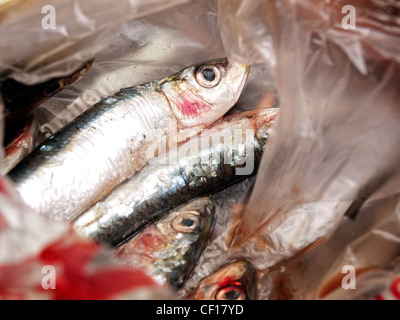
(32, 51)
(333, 146)
(337, 134)
(367, 247)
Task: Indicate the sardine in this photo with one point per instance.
(169, 249)
(108, 143)
(236, 281)
(166, 183)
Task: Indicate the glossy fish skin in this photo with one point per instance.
(108, 143)
(236, 281)
(160, 186)
(169, 248)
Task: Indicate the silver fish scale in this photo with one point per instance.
(159, 188)
(104, 137)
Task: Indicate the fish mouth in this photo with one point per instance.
(239, 275)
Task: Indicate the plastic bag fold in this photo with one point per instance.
(44, 39)
(338, 129)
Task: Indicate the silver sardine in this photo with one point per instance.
(108, 143)
(227, 152)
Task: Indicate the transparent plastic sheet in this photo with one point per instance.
(31, 51)
(337, 134)
(368, 245)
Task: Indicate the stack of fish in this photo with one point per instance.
(138, 171)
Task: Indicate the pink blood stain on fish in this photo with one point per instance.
(191, 106)
(152, 242)
(145, 245)
(229, 281)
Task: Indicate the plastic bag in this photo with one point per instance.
(359, 261)
(338, 130)
(44, 39)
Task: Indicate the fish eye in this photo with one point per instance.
(230, 293)
(208, 76)
(186, 222)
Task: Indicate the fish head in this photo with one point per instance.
(236, 281)
(189, 221)
(186, 231)
(169, 248)
(201, 94)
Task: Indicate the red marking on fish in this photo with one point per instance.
(191, 106)
(151, 242)
(228, 281)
